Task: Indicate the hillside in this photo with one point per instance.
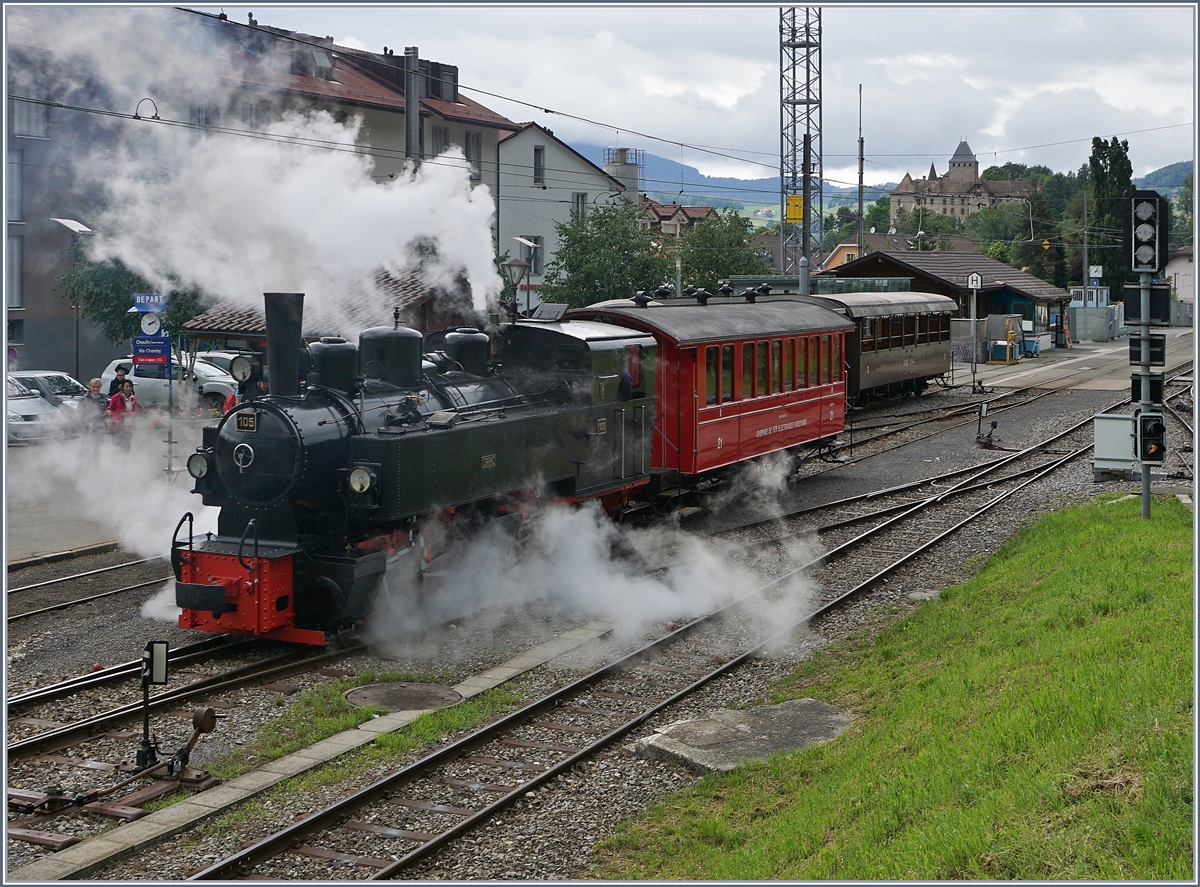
(663, 179)
(1167, 177)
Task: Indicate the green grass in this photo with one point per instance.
(317, 714)
(1034, 723)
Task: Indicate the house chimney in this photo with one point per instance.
(412, 106)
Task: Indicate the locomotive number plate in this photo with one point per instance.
(489, 461)
(247, 421)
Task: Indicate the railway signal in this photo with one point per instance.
(1151, 438)
(1147, 226)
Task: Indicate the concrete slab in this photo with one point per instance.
(50, 868)
(221, 796)
(729, 738)
(255, 780)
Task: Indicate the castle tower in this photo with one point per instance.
(964, 167)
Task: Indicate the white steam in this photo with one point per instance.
(248, 216)
(127, 493)
(279, 197)
(567, 563)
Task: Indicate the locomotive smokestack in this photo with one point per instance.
(285, 312)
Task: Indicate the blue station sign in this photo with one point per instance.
(154, 302)
(152, 350)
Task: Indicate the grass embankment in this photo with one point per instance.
(1033, 723)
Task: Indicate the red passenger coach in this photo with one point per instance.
(738, 379)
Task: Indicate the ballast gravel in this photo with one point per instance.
(550, 834)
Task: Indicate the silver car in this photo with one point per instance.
(32, 418)
(57, 387)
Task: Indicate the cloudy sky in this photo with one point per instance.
(1031, 84)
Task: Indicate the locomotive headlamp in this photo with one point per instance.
(197, 465)
(360, 480)
(241, 368)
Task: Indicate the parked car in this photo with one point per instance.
(211, 384)
(32, 418)
(222, 358)
(57, 387)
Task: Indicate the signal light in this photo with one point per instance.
(1151, 438)
(1147, 228)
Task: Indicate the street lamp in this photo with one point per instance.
(515, 270)
(77, 229)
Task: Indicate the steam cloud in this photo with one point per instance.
(296, 205)
(567, 564)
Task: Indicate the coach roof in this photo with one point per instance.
(883, 304)
(721, 319)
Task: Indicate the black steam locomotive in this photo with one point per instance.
(318, 485)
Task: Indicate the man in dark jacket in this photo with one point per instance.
(115, 385)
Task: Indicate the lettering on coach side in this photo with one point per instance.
(775, 429)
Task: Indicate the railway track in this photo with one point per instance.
(387, 827)
(66, 735)
(27, 604)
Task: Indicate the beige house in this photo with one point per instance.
(670, 218)
(958, 192)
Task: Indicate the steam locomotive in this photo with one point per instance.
(317, 487)
(397, 440)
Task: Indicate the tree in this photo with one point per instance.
(1111, 175)
(1030, 255)
(1183, 208)
(994, 174)
(605, 255)
(719, 247)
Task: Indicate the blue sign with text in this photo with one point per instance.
(152, 350)
(155, 302)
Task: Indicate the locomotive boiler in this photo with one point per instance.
(317, 483)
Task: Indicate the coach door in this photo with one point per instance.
(631, 422)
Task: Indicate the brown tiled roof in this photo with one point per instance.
(406, 294)
(953, 268)
(666, 211)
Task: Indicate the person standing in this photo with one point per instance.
(116, 384)
(122, 409)
(93, 410)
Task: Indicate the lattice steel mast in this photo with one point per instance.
(800, 153)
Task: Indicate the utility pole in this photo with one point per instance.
(860, 174)
(800, 127)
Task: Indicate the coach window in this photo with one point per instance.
(726, 373)
(760, 389)
(824, 360)
(802, 362)
(776, 366)
(867, 338)
(711, 356)
(945, 328)
(922, 329)
(748, 369)
(910, 330)
(897, 332)
(789, 372)
(837, 358)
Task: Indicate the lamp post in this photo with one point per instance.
(515, 270)
(77, 230)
